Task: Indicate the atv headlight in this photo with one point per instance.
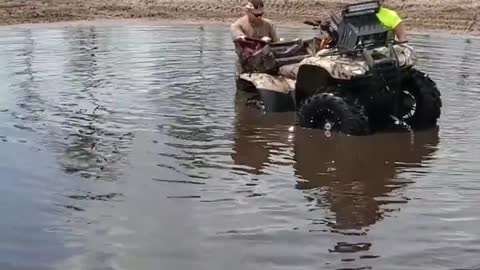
(357, 71)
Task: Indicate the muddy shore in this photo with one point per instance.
(459, 16)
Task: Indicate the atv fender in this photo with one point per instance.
(406, 55)
(275, 92)
(268, 82)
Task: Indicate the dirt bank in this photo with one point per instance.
(442, 15)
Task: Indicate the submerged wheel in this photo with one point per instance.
(329, 112)
(422, 101)
(256, 103)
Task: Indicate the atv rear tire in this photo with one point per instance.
(329, 112)
(428, 101)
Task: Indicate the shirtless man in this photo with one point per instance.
(253, 25)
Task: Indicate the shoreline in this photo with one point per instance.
(205, 22)
(432, 17)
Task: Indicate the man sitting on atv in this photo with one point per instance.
(392, 21)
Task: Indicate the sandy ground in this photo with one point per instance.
(442, 15)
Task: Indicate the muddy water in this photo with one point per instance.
(123, 148)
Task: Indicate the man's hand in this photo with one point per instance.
(266, 39)
(241, 38)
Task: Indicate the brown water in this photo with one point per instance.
(122, 148)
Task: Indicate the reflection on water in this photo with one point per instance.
(126, 148)
(356, 177)
(260, 139)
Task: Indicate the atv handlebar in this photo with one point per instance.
(312, 23)
(251, 41)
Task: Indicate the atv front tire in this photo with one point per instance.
(427, 99)
(329, 112)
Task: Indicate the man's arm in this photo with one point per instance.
(236, 31)
(401, 32)
(273, 33)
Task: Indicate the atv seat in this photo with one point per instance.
(291, 60)
(286, 49)
(290, 52)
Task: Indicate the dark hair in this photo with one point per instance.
(256, 3)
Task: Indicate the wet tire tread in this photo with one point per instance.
(429, 104)
(353, 118)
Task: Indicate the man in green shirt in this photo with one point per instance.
(392, 21)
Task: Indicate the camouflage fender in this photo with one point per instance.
(406, 55)
(344, 68)
(278, 84)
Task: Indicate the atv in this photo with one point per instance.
(355, 78)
